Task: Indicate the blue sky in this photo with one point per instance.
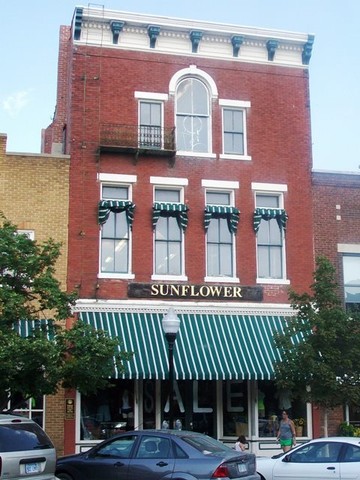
(29, 35)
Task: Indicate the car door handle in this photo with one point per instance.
(331, 468)
(119, 464)
(162, 464)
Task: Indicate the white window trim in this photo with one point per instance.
(183, 153)
(277, 191)
(239, 105)
(172, 181)
(116, 178)
(348, 248)
(119, 180)
(160, 97)
(220, 184)
(269, 187)
(226, 187)
(175, 184)
(193, 71)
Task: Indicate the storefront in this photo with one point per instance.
(223, 367)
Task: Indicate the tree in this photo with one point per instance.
(50, 356)
(320, 345)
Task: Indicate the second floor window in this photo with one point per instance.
(115, 231)
(168, 233)
(270, 238)
(219, 237)
(192, 116)
(150, 128)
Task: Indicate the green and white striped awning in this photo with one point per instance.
(177, 210)
(269, 213)
(26, 328)
(232, 215)
(208, 347)
(116, 206)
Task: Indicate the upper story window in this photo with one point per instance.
(234, 129)
(150, 134)
(351, 272)
(221, 221)
(116, 212)
(169, 222)
(192, 116)
(270, 225)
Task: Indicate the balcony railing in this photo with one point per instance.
(143, 139)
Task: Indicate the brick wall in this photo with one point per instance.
(34, 195)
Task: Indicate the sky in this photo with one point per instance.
(29, 40)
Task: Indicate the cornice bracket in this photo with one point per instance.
(237, 41)
(77, 23)
(153, 32)
(116, 28)
(271, 46)
(195, 37)
(307, 50)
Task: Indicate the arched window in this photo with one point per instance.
(192, 116)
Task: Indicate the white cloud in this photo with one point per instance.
(16, 102)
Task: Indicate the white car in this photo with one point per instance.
(335, 458)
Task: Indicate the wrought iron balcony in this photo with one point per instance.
(141, 140)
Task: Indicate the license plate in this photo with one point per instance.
(241, 467)
(32, 468)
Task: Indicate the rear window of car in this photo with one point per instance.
(205, 444)
(17, 437)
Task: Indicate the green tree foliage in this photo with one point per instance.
(320, 345)
(81, 357)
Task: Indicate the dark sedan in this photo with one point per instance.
(158, 454)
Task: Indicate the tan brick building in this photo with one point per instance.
(35, 197)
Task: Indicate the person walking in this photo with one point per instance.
(286, 433)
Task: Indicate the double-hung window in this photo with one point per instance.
(115, 217)
(351, 272)
(221, 223)
(234, 129)
(270, 224)
(192, 116)
(150, 125)
(151, 119)
(169, 221)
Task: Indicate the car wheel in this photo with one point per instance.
(64, 476)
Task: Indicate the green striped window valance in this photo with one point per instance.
(232, 215)
(116, 206)
(268, 214)
(177, 210)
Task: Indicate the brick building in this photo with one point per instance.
(187, 143)
(336, 204)
(35, 197)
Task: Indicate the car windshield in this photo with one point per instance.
(19, 437)
(205, 444)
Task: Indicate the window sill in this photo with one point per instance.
(116, 275)
(273, 281)
(228, 156)
(180, 278)
(222, 279)
(181, 153)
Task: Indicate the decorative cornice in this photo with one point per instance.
(95, 26)
(161, 307)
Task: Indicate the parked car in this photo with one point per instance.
(25, 450)
(158, 454)
(335, 458)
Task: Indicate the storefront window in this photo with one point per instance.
(271, 403)
(108, 412)
(235, 408)
(149, 403)
(194, 406)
